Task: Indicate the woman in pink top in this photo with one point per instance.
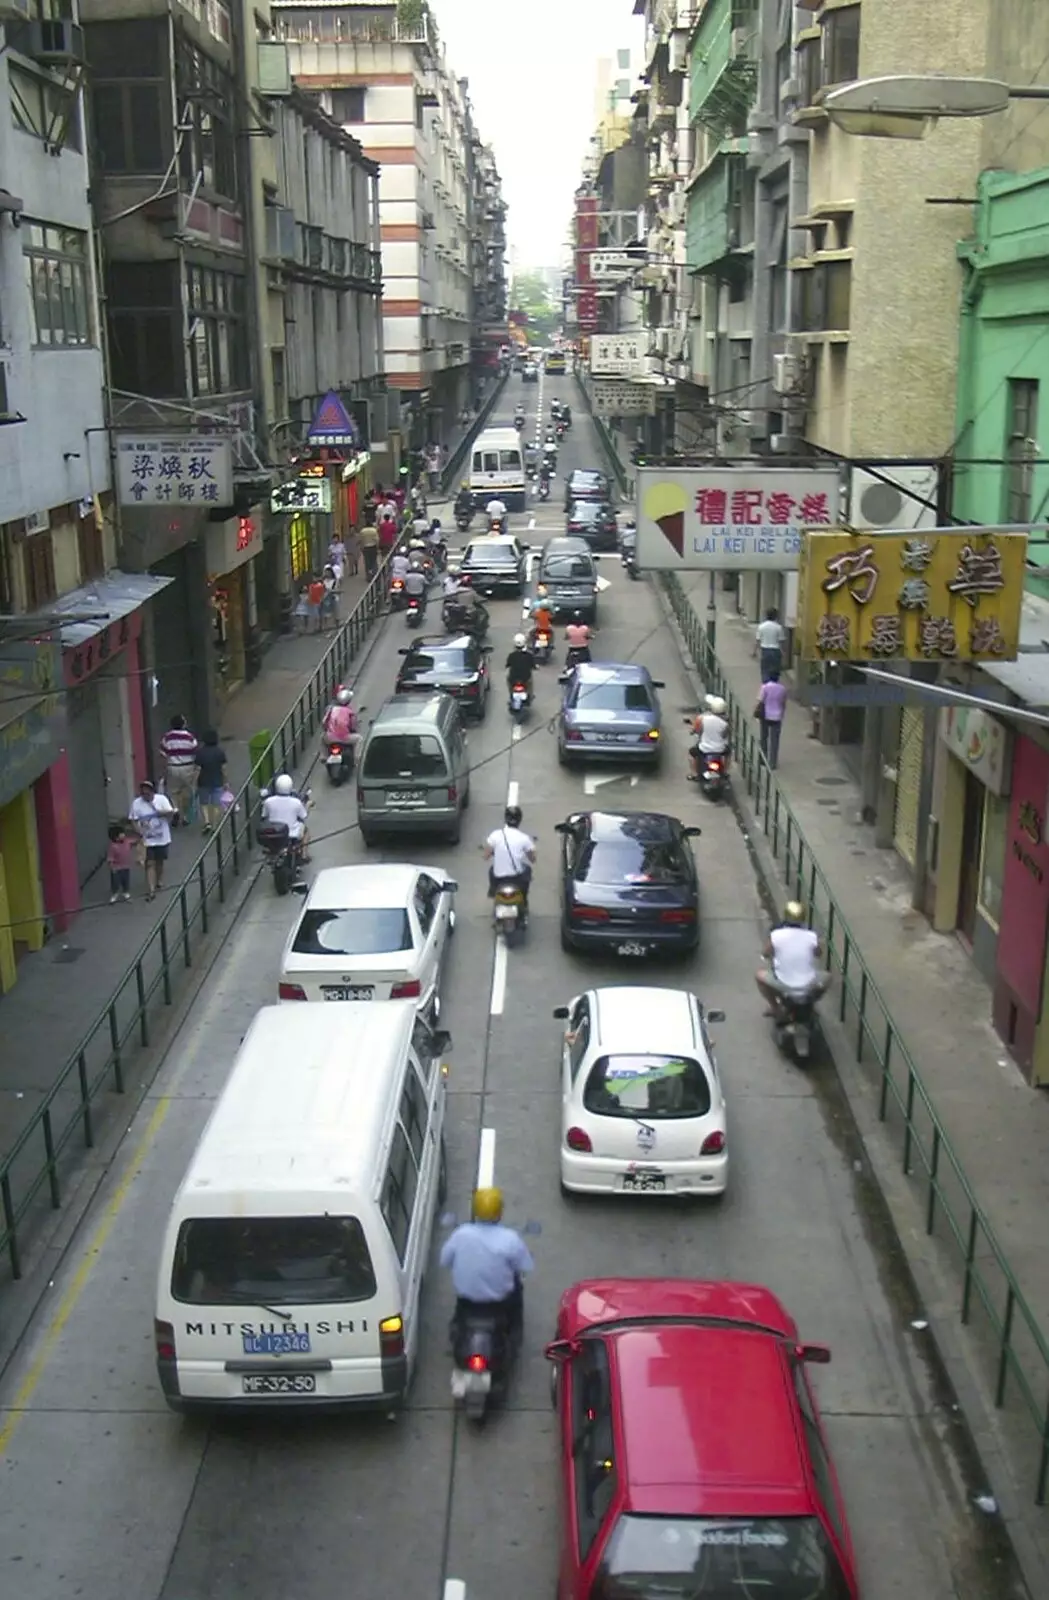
(771, 708)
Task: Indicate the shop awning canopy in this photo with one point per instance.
(92, 608)
(1028, 676)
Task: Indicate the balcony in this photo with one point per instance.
(716, 212)
(350, 26)
(724, 69)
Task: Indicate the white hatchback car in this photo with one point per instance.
(371, 933)
(641, 1105)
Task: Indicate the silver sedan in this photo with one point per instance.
(610, 711)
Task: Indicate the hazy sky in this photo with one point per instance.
(531, 67)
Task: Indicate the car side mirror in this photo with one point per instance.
(714, 1016)
(449, 887)
(560, 1013)
(562, 827)
(693, 833)
(562, 1350)
(818, 1354)
(657, 683)
(442, 1040)
(487, 649)
(406, 651)
(302, 889)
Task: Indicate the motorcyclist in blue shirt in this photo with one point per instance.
(488, 1262)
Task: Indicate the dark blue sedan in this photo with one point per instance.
(628, 884)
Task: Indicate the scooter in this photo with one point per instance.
(520, 701)
(465, 619)
(284, 855)
(496, 526)
(519, 422)
(560, 430)
(338, 761)
(542, 647)
(794, 1022)
(397, 596)
(628, 555)
(544, 488)
(509, 911)
(483, 1353)
(576, 656)
(463, 517)
(713, 777)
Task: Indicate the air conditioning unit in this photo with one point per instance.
(896, 498)
(37, 522)
(786, 374)
(282, 236)
(677, 55)
(740, 43)
(781, 444)
(53, 42)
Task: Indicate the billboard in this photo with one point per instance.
(618, 355)
(617, 398)
(731, 519)
(944, 594)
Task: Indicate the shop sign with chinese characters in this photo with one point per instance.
(945, 594)
(732, 519)
(301, 494)
(187, 470)
(617, 355)
(612, 399)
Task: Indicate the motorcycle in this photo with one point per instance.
(628, 555)
(397, 597)
(520, 700)
(465, 619)
(560, 431)
(284, 855)
(496, 526)
(576, 656)
(542, 646)
(509, 911)
(338, 761)
(483, 1353)
(713, 778)
(413, 611)
(544, 488)
(464, 515)
(519, 422)
(794, 1021)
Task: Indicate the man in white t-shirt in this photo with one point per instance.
(511, 852)
(151, 814)
(495, 509)
(793, 953)
(771, 637)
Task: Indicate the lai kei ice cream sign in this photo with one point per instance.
(731, 519)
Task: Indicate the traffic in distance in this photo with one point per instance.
(475, 1227)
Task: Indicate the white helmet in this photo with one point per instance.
(344, 697)
(716, 705)
(284, 784)
(520, 641)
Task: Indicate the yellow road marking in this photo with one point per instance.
(68, 1303)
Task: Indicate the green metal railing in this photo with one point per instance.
(1011, 1345)
(33, 1171)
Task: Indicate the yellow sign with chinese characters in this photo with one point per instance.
(942, 594)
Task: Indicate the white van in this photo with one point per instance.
(497, 469)
(294, 1256)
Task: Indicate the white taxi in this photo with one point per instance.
(642, 1110)
(371, 933)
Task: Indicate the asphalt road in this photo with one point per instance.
(106, 1494)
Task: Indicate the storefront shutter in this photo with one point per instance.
(908, 784)
(88, 780)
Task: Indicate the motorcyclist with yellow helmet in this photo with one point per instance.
(488, 1262)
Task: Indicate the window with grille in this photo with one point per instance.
(218, 333)
(58, 284)
(1021, 448)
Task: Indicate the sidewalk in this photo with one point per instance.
(997, 1124)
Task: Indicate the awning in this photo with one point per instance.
(1028, 676)
(94, 607)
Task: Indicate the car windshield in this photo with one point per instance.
(588, 511)
(593, 695)
(364, 931)
(719, 1558)
(561, 567)
(492, 554)
(647, 1086)
(404, 755)
(626, 860)
(222, 1261)
(448, 659)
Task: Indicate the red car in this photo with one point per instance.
(693, 1458)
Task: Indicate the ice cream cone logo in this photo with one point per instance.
(665, 504)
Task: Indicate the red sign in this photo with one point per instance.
(81, 660)
(586, 225)
(586, 309)
(245, 532)
(759, 508)
(1025, 883)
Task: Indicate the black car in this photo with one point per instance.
(568, 573)
(496, 565)
(595, 522)
(457, 665)
(584, 484)
(628, 884)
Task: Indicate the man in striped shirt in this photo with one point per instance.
(179, 749)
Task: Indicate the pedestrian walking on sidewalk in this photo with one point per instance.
(353, 552)
(369, 538)
(337, 556)
(770, 711)
(770, 639)
(211, 779)
(152, 813)
(179, 749)
(119, 854)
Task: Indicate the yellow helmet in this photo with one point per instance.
(488, 1205)
(464, 483)
(794, 912)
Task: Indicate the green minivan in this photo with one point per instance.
(413, 775)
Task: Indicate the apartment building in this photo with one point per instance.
(486, 231)
(386, 80)
(69, 692)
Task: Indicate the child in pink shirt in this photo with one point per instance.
(121, 845)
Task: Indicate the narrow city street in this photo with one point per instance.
(108, 1494)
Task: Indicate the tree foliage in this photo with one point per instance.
(531, 295)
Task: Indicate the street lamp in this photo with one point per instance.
(907, 107)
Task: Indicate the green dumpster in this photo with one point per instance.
(261, 758)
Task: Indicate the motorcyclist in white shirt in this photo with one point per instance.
(511, 854)
(793, 954)
(495, 510)
(399, 564)
(284, 806)
(712, 735)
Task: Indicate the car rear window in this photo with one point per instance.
(450, 659)
(563, 567)
(491, 554)
(719, 1558)
(225, 1261)
(626, 860)
(647, 1086)
(404, 755)
(362, 931)
(590, 696)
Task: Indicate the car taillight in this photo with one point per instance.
(391, 1337)
(713, 1144)
(590, 913)
(291, 991)
(677, 916)
(453, 794)
(406, 991)
(578, 1139)
(573, 736)
(164, 1340)
(477, 1363)
(653, 733)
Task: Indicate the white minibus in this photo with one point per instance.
(293, 1260)
(497, 469)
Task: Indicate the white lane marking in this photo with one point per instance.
(486, 1159)
(454, 1589)
(498, 982)
(592, 782)
(515, 736)
(602, 584)
(513, 791)
(531, 524)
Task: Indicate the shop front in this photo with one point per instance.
(1019, 982)
(971, 789)
(32, 726)
(232, 547)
